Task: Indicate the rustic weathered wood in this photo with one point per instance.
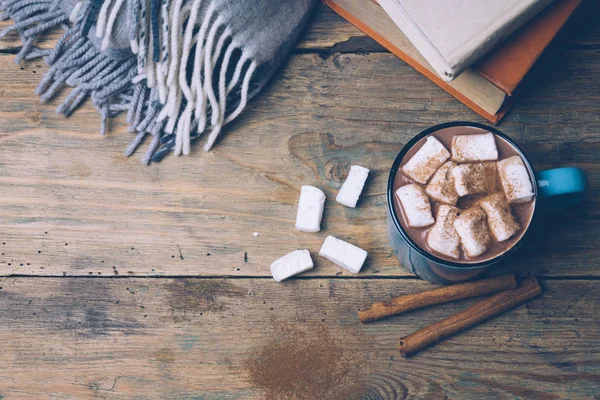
(329, 33)
(326, 31)
(243, 338)
(71, 204)
(104, 213)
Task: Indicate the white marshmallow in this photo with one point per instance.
(426, 160)
(291, 264)
(344, 254)
(310, 209)
(474, 148)
(442, 236)
(474, 178)
(500, 220)
(415, 204)
(441, 187)
(353, 186)
(471, 225)
(515, 180)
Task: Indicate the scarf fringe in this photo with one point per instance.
(181, 81)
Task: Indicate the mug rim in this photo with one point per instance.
(406, 236)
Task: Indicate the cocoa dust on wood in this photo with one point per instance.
(191, 298)
(306, 363)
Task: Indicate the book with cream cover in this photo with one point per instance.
(452, 35)
(487, 87)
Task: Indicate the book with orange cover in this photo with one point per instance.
(508, 64)
(488, 86)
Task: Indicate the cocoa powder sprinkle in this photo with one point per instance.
(305, 363)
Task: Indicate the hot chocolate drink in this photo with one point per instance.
(464, 194)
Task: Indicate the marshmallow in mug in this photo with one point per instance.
(426, 160)
(441, 187)
(469, 148)
(515, 180)
(442, 236)
(471, 225)
(474, 178)
(499, 217)
(416, 206)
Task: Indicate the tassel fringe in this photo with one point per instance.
(186, 75)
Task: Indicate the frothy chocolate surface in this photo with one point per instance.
(522, 212)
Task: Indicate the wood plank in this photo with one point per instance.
(329, 33)
(73, 205)
(327, 30)
(219, 339)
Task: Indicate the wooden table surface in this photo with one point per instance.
(124, 281)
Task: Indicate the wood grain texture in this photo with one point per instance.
(326, 31)
(72, 205)
(329, 33)
(237, 339)
(104, 213)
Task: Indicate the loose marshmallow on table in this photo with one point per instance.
(426, 160)
(515, 180)
(474, 178)
(474, 148)
(310, 209)
(442, 237)
(441, 187)
(415, 204)
(471, 225)
(353, 186)
(291, 264)
(344, 254)
(500, 220)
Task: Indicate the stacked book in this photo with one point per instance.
(479, 51)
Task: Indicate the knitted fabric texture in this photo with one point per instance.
(178, 68)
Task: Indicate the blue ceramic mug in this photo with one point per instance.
(556, 188)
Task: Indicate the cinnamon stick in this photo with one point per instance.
(472, 316)
(445, 294)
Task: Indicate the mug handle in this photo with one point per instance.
(561, 187)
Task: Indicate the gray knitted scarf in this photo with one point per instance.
(179, 68)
